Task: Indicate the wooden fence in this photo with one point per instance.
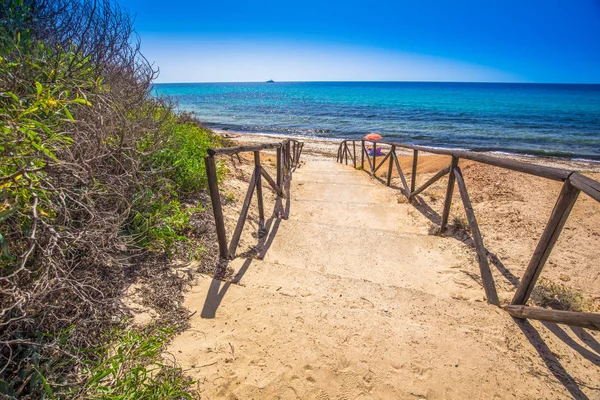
(573, 184)
(288, 157)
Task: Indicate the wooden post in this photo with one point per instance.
(299, 150)
(582, 319)
(354, 152)
(562, 208)
(261, 208)
(484, 267)
(365, 152)
(288, 156)
(401, 174)
(429, 182)
(374, 158)
(294, 154)
(388, 155)
(413, 178)
(279, 170)
(392, 153)
(211, 172)
(362, 155)
(270, 181)
(346, 151)
(449, 191)
(237, 233)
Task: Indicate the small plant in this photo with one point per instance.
(460, 225)
(230, 198)
(560, 297)
(433, 197)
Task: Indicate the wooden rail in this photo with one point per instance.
(573, 184)
(288, 159)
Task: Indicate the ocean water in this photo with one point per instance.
(555, 120)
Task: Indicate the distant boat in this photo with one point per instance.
(270, 81)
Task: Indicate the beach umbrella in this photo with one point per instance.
(373, 136)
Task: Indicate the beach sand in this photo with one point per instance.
(512, 209)
(356, 299)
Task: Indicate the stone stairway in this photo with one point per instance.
(353, 299)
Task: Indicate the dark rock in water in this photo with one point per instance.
(270, 81)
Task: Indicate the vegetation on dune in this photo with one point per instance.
(100, 184)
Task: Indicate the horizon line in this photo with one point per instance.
(380, 81)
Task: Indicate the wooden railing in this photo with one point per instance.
(573, 184)
(288, 157)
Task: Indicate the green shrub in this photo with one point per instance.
(182, 155)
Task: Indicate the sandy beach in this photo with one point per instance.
(354, 296)
(512, 209)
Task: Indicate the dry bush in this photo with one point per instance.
(90, 199)
(560, 297)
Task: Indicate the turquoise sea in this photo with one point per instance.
(555, 120)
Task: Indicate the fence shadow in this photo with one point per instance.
(218, 288)
(528, 330)
(554, 366)
(559, 332)
(281, 211)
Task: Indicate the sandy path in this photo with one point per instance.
(354, 300)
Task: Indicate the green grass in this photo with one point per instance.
(130, 366)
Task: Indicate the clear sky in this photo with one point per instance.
(371, 40)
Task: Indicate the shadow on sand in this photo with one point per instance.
(218, 287)
(530, 332)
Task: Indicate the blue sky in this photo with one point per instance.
(423, 40)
